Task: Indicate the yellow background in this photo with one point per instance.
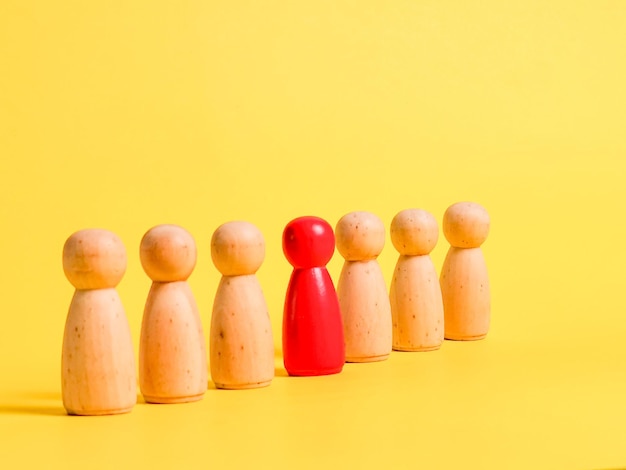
(124, 115)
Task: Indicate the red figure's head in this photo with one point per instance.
(308, 242)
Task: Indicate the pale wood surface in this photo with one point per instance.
(415, 294)
(172, 352)
(361, 289)
(98, 365)
(464, 278)
(241, 341)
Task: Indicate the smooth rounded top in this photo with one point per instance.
(168, 253)
(308, 242)
(414, 232)
(360, 236)
(94, 259)
(237, 248)
(466, 225)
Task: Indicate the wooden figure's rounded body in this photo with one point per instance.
(242, 346)
(98, 366)
(241, 342)
(313, 340)
(97, 360)
(361, 289)
(415, 294)
(172, 354)
(416, 305)
(464, 279)
(365, 310)
(466, 294)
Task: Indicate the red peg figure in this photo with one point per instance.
(313, 342)
(242, 346)
(415, 294)
(361, 289)
(98, 365)
(172, 353)
(464, 280)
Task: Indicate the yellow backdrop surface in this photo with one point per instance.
(124, 115)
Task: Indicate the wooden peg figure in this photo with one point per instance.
(313, 342)
(464, 280)
(415, 294)
(363, 297)
(241, 342)
(98, 366)
(172, 353)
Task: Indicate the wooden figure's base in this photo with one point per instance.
(465, 338)
(117, 411)
(384, 357)
(243, 386)
(172, 400)
(424, 349)
(313, 373)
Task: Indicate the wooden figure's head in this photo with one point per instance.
(414, 232)
(308, 242)
(237, 248)
(360, 236)
(94, 259)
(168, 253)
(466, 225)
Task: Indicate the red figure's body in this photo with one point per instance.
(313, 341)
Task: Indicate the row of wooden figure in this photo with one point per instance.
(322, 327)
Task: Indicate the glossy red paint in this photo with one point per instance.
(313, 342)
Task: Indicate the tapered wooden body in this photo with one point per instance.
(366, 312)
(172, 353)
(241, 344)
(416, 305)
(313, 342)
(98, 366)
(466, 295)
